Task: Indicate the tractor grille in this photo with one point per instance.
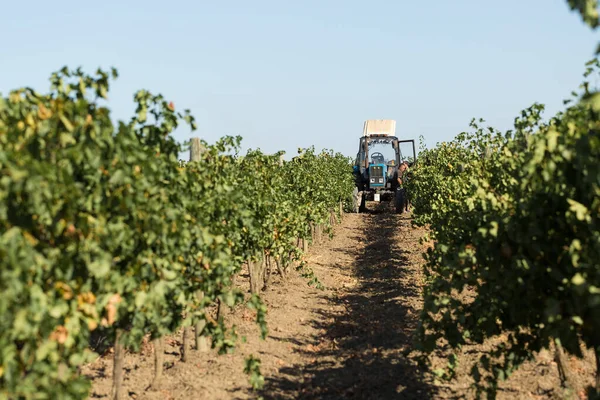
(377, 172)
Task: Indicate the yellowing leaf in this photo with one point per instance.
(578, 279)
(60, 334)
(92, 324)
(86, 298)
(43, 112)
(64, 289)
(30, 238)
(66, 122)
(111, 308)
(67, 139)
(29, 120)
(494, 229)
(579, 209)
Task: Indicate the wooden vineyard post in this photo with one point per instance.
(159, 353)
(222, 308)
(564, 371)
(597, 354)
(195, 149)
(256, 270)
(119, 356)
(201, 341)
(185, 343)
(266, 272)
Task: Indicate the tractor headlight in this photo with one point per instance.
(380, 180)
(372, 180)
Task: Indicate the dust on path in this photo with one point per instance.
(346, 341)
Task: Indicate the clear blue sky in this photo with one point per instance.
(289, 74)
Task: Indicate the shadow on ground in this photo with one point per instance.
(360, 355)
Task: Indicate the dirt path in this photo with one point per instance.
(345, 341)
(373, 306)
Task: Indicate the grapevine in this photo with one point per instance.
(515, 222)
(103, 228)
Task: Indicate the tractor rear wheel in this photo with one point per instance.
(399, 200)
(363, 203)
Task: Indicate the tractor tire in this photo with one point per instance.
(363, 203)
(399, 200)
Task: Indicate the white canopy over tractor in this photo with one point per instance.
(379, 127)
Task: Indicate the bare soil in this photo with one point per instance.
(347, 340)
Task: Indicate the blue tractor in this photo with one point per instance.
(376, 176)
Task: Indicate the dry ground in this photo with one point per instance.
(346, 341)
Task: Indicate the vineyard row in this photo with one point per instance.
(104, 231)
(515, 222)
